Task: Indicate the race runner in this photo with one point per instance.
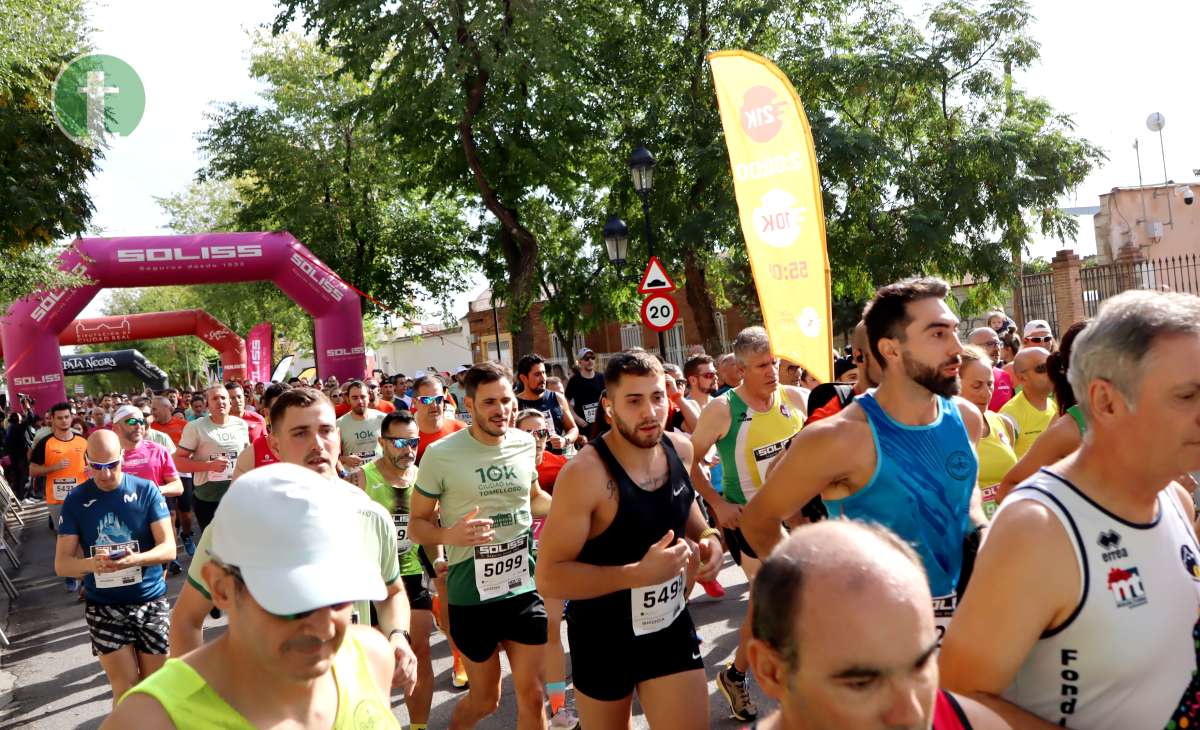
(901, 455)
(283, 571)
(614, 546)
(255, 424)
(548, 468)
(59, 458)
(987, 339)
(531, 372)
(147, 459)
(995, 447)
(843, 637)
(1083, 606)
(1033, 408)
(359, 427)
(389, 482)
(584, 389)
(304, 432)
(259, 452)
(208, 450)
(165, 420)
(115, 533)
(427, 404)
(485, 482)
(750, 426)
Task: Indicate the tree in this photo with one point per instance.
(307, 161)
(42, 172)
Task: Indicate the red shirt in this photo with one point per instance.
(1004, 390)
(448, 427)
(172, 428)
(825, 411)
(254, 423)
(341, 409)
(383, 406)
(548, 470)
(262, 452)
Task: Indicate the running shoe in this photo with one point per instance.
(713, 588)
(460, 676)
(737, 694)
(72, 585)
(188, 545)
(565, 718)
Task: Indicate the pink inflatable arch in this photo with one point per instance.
(29, 330)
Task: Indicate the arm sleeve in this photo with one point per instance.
(189, 440)
(68, 523)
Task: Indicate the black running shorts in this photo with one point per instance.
(145, 626)
(607, 664)
(738, 546)
(415, 587)
(478, 630)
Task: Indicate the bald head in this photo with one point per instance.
(856, 568)
(869, 374)
(103, 446)
(1029, 357)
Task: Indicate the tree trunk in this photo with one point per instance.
(520, 258)
(696, 290)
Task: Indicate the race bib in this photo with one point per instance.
(943, 611)
(589, 412)
(656, 607)
(988, 495)
(502, 568)
(227, 473)
(538, 523)
(120, 578)
(366, 455)
(63, 487)
(765, 455)
(403, 544)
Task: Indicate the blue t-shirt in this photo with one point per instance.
(112, 519)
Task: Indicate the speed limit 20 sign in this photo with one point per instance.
(659, 312)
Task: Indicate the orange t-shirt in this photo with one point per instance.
(448, 427)
(384, 406)
(548, 470)
(341, 409)
(172, 428)
(51, 450)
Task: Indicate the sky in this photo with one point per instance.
(1107, 64)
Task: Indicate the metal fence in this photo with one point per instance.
(1174, 273)
(1037, 297)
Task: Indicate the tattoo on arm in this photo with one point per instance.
(612, 489)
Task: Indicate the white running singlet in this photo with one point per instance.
(1125, 656)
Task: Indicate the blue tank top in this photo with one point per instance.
(921, 488)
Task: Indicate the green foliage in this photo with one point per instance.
(308, 161)
(43, 174)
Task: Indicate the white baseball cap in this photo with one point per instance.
(293, 536)
(1037, 325)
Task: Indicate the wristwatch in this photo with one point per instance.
(407, 636)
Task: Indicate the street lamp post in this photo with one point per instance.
(641, 167)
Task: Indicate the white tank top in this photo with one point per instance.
(1124, 658)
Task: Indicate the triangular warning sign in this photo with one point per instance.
(655, 279)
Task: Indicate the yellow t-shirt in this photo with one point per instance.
(996, 458)
(1030, 421)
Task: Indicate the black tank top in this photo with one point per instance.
(642, 519)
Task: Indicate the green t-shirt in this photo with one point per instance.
(378, 536)
(462, 473)
(396, 501)
(205, 438)
(361, 436)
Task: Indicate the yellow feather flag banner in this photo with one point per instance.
(778, 192)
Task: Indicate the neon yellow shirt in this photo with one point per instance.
(1030, 421)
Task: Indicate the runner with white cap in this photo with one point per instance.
(283, 572)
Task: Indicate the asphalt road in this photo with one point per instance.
(59, 684)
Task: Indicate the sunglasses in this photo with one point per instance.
(428, 400)
(680, 383)
(98, 466)
(1047, 338)
(134, 421)
(541, 433)
(401, 443)
(588, 357)
(237, 575)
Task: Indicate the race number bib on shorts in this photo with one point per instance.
(656, 607)
(502, 568)
(120, 578)
(63, 487)
(943, 611)
(403, 544)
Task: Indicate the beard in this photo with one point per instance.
(931, 378)
(403, 462)
(633, 434)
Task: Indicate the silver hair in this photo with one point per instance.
(749, 342)
(1114, 345)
